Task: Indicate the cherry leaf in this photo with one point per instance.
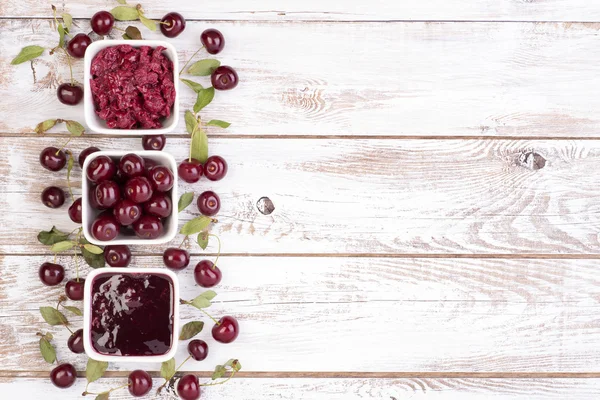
(201, 302)
(190, 122)
(204, 67)
(234, 364)
(184, 201)
(196, 225)
(62, 246)
(74, 310)
(75, 128)
(93, 260)
(123, 13)
(61, 35)
(167, 369)
(103, 396)
(203, 240)
(196, 87)
(220, 370)
(52, 236)
(125, 37)
(52, 316)
(147, 22)
(27, 53)
(47, 350)
(209, 294)
(70, 164)
(199, 150)
(93, 249)
(68, 20)
(44, 126)
(133, 33)
(205, 96)
(95, 370)
(219, 123)
(191, 329)
(122, 1)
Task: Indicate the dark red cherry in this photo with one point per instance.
(213, 41)
(102, 22)
(140, 383)
(127, 212)
(132, 165)
(86, 152)
(154, 142)
(74, 289)
(172, 24)
(117, 255)
(101, 169)
(75, 211)
(209, 203)
(53, 159)
(159, 205)
(188, 387)
(53, 197)
(63, 376)
(138, 189)
(190, 171)
(207, 274)
(161, 178)
(69, 94)
(105, 227)
(198, 349)
(149, 164)
(108, 193)
(227, 330)
(75, 342)
(176, 258)
(224, 78)
(51, 274)
(215, 168)
(92, 198)
(148, 227)
(78, 45)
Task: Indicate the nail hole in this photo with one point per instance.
(265, 205)
(532, 160)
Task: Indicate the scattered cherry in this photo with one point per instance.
(102, 22)
(227, 330)
(224, 78)
(190, 171)
(209, 203)
(53, 197)
(161, 178)
(75, 211)
(86, 152)
(213, 41)
(101, 168)
(51, 274)
(148, 227)
(188, 387)
(159, 205)
(69, 94)
(138, 189)
(78, 44)
(107, 194)
(63, 376)
(132, 165)
(75, 342)
(198, 349)
(117, 255)
(127, 212)
(53, 159)
(154, 142)
(74, 289)
(105, 227)
(207, 274)
(172, 24)
(215, 168)
(140, 383)
(176, 258)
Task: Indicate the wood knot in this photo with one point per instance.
(532, 160)
(265, 205)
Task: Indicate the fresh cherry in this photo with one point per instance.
(159, 205)
(224, 78)
(213, 41)
(78, 44)
(227, 330)
(53, 197)
(138, 189)
(108, 193)
(190, 171)
(149, 163)
(117, 255)
(140, 383)
(74, 289)
(172, 24)
(127, 212)
(188, 387)
(101, 169)
(86, 152)
(51, 274)
(176, 258)
(207, 274)
(53, 159)
(92, 198)
(148, 227)
(209, 203)
(154, 142)
(215, 168)
(102, 22)
(75, 342)
(161, 178)
(105, 227)
(63, 376)
(69, 94)
(132, 165)
(75, 211)
(198, 349)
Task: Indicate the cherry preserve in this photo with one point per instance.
(132, 314)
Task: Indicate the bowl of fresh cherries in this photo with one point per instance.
(128, 198)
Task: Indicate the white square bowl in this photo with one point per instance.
(87, 315)
(88, 213)
(99, 126)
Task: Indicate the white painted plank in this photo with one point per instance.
(358, 314)
(355, 196)
(458, 79)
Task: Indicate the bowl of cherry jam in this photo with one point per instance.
(131, 314)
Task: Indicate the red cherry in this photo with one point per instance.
(117, 255)
(172, 24)
(138, 189)
(207, 274)
(161, 178)
(224, 78)
(176, 258)
(209, 203)
(132, 165)
(102, 22)
(78, 45)
(227, 330)
(105, 227)
(51, 274)
(53, 159)
(213, 41)
(140, 383)
(84, 153)
(75, 211)
(198, 349)
(154, 142)
(159, 205)
(101, 169)
(215, 168)
(63, 376)
(127, 212)
(75, 342)
(74, 289)
(53, 197)
(148, 227)
(108, 193)
(190, 171)
(69, 94)
(188, 387)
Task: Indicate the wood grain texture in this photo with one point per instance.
(356, 196)
(299, 314)
(363, 78)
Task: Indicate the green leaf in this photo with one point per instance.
(49, 336)
(125, 37)
(122, 13)
(47, 350)
(184, 201)
(44, 126)
(52, 236)
(191, 329)
(28, 53)
(234, 364)
(133, 33)
(103, 396)
(220, 370)
(52, 316)
(200, 146)
(219, 123)
(62, 246)
(196, 87)
(167, 369)
(122, 1)
(203, 300)
(196, 225)
(61, 35)
(75, 128)
(209, 294)
(95, 369)
(68, 20)
(74, 310)
(148, 22)
(93, 260)
(93, 249)
(204, 67)
(203, 240)
(190, 121)
(204, 98)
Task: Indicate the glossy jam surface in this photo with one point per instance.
(132, 314)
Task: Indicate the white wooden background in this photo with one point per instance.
(433, 166)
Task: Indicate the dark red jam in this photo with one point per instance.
(132, 87)
(132, 314)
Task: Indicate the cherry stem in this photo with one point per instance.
(69, 177)
(119, 29)
(70, 66)
(188, 61)
(108, 391)
(218, 250)
(62, 320)
(64, 145)
(210, 316)
(171, 377)
(55, 254)
(183, 241)
(233, 371)
(192, 141)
